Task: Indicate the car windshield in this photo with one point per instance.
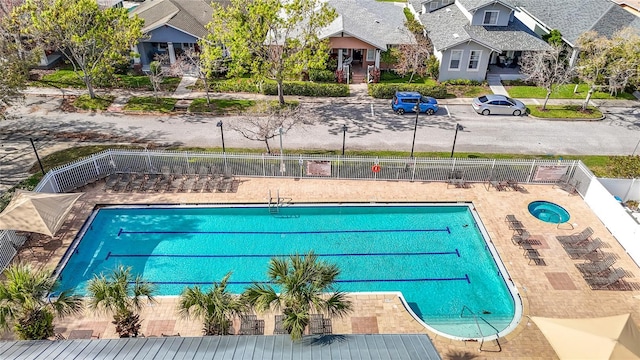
(511, 100)
(483, 99)
(425, 99)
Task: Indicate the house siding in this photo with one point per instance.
(504, 15)
(464, 72)
(170, 34)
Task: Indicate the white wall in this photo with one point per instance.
(625, 189)
(621, 225)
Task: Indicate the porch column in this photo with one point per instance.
(172, 53)
(377, 63)
(136, 54)
(574, 56)
(339, 59)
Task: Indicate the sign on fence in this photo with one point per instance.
(550, 172)
(318, 168)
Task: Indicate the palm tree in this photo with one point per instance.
(215, 308)
(122, 295)
(25, 302)
(303, 282)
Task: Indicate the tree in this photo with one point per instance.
(412, 58)
(265, 123)
(158, 71)
(215, 308)
(15, 55)
(624, 66)
(122, 295)
(26, 303)
(305, 286)
(91, 39)
(271, 39)
(592, 65)
(547, 68)
(554, 37)
(203, 65)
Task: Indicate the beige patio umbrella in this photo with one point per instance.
(37, 212)
(612, 337)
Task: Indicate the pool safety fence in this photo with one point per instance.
(98, 166)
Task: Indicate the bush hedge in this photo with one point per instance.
(322, 75)
(386, 91)
(298, 88)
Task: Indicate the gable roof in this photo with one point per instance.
(575, 17)
(472, 5)
(448, 27)
(189, 16)
(374, 22)
(279, 347)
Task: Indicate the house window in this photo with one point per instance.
(454, 62)
(446, 2)
(490, 17)
(371, 54)
(474, 59)
(433, 5)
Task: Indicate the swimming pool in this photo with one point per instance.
(436, 256)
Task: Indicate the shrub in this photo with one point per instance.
(386, 91)
(463, 82)
(300, 88)
(322, 75)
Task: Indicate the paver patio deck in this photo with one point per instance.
(553, 290)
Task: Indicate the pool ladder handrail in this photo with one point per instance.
(274, 208)
(475, 318)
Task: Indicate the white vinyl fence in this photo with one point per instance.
(90, 169)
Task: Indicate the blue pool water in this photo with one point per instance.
(548, 212)
(435, 255)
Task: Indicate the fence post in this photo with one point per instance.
(264, 166)
(148, 159)
(340, 159)
(413, 172)
(533, 164)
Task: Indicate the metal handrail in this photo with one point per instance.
(475, 319)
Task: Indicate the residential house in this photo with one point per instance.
(575, 17)
(170, 27)
(470, 35)
(364, 29)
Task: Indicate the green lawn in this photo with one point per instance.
(564, 112)
(563, 92)
(221, 106)
(98, 103)
(149, 103)
(69, 79)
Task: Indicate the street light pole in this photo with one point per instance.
(415, 127)
(37, 156)
(344, 136)
(219, 124)
(458, 127)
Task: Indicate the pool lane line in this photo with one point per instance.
(110, 255)
(465, 278)
(122, 231)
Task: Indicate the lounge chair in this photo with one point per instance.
(597, 267)
(248, 324)
(599, 282)
(511, 219)
(498, 185)
(582, 236)
(456, 179)
(279, 326)
(319, 325)
(582, 251)
(520, 239)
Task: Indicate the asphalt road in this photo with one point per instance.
(369, 126)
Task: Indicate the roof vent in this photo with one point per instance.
(456, 36)
(377, 21)
(448, 10)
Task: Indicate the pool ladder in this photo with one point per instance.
(275, 204)
(475, 318)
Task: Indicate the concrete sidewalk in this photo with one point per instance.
(358, 97)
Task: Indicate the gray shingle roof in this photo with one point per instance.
(376, 23)
(280, 347)
(444, 24)
(575, 17)
(471, 5)
(189, 16)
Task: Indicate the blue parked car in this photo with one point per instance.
(404, 101)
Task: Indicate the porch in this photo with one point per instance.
(505, 73)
